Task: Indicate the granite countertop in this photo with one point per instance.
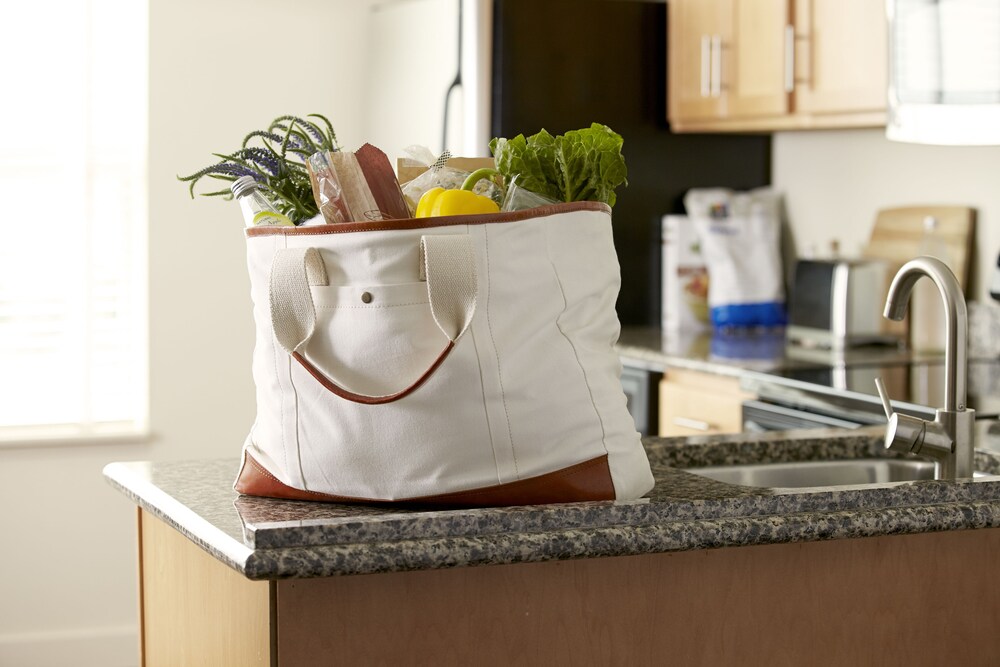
(269, 539)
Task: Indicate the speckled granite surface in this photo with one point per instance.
(265, 538)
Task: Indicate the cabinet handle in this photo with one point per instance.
(706, 60)
(789, 58)
(716, 65)
(695, 424)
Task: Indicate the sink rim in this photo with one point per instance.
(735, 474)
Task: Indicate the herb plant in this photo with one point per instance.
(582, 165)
(275, 158)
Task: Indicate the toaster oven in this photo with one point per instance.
(838, 303)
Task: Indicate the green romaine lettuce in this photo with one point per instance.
(581, 165)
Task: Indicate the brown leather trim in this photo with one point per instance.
(590, 480)
(425, 223)
(371, 400)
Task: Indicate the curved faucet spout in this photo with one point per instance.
(956, 321)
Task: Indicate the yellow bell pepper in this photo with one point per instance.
(438, 201)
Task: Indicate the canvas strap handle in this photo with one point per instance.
(447, 263)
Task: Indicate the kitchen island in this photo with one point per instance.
(697, 572)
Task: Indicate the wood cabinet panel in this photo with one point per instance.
(756, 76)
(695, 403)
(842, 602)
(195, 611)
(758, 65)
(693, 62)
(843, 54)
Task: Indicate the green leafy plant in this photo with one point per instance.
(581, 165)
(275, 158)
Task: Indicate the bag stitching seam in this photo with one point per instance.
(576, 354)
(486, 410)
(496, 352)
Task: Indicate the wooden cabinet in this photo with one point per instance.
(725, 61)
(758, 65)
(846, 601)
(696, 403)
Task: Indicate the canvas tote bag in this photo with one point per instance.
(462, 360)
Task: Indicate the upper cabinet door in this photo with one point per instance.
(699, 32)
(841, 56)
(766, 65)
(759, 75)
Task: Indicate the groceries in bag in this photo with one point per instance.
(299, 167)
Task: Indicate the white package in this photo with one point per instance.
(740, 236)
(684, 277)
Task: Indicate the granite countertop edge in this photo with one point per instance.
(271, 539)
(625, 540)
(180, 517)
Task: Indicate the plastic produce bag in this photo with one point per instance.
(327, 190)
(740, 235)
(519, 199)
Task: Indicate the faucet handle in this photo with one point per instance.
(912, 435)
(884, 395)
(903, 432)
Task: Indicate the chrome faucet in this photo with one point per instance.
(949, 438)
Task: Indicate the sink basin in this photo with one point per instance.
(820, 473)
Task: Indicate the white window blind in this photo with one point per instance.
(944, 71)
(73, 259)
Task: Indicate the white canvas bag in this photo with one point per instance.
(462, 360)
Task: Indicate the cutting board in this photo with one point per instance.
(897, 235)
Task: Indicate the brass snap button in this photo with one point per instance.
(366, 297)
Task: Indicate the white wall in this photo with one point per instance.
(834, 183)
(413, 59)
(217, 70)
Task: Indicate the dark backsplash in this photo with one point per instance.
(562, 64)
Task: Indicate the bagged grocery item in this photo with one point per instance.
(446, 172)
(685, 277)
(454, 361)
(327, 191)
(740, 235)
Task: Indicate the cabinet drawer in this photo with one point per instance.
(695, 403)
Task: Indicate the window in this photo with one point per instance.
(73, 289)
(944, 71)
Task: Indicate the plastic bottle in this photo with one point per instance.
(257, 210)
(927, 326)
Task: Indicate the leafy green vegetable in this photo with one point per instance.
(582, 165)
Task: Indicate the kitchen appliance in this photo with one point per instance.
(837, 303)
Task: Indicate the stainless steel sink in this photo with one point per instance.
(820, 473)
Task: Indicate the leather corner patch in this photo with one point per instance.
(586, 481)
